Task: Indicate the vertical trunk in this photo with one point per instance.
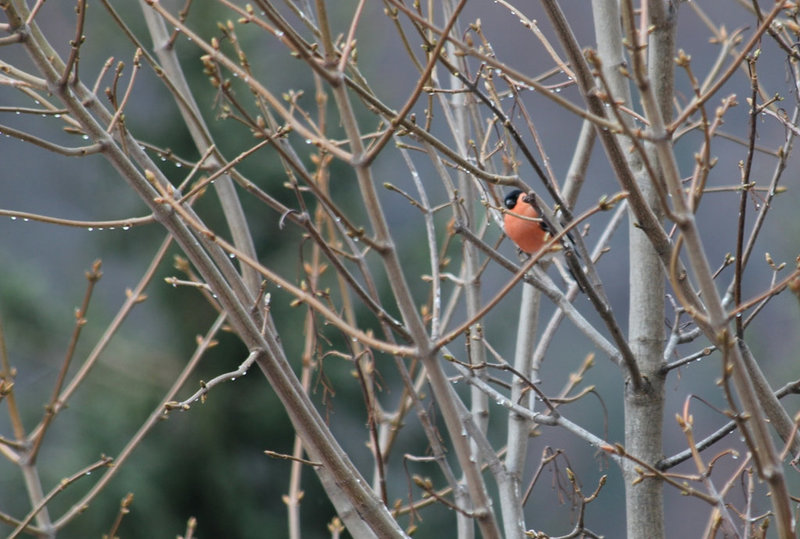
(644, 411)
(519, 427)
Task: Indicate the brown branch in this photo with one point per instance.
(52, 408)
(375, 149)
(71, 66)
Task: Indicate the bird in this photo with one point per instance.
(523, 224)
(530, 232)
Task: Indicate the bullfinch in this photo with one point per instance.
(523, 224)
(530, 231)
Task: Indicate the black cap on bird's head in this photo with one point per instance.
(511, 198)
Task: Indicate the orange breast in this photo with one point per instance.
(527, 234)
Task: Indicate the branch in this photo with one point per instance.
(205, 387)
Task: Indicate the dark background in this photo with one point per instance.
(209, 462)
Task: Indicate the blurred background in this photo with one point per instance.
(209, 462)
